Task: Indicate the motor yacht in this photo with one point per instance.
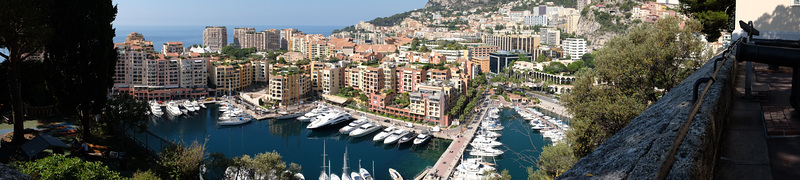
(155, 109)
(365, 129)
(383, 134)
(354, 125)
(406, 138)
(422, 138)
(396, 135)
(189, 107)
(332, 118)
(395, 175)
(235, 121)
(172, 109)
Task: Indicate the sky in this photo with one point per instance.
(258, 12)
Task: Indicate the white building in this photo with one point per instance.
(575, 48)
(536, 20)
(551, 36)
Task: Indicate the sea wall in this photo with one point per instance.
(637, 151)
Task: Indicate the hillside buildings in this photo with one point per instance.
(527, 43)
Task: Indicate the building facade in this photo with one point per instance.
(502, 59)
(215, 37)
(575, 48)
(527, 43)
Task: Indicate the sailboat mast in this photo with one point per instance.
(323, 156)
(344, 168)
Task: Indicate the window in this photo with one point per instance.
(795, 2)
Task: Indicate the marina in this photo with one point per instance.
(299, 145)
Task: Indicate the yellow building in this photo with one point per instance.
(231, 75)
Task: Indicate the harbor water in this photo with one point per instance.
(299, 145)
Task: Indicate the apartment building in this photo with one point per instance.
(260, 71)
(439, 75)
(239, 32)
(230, 75)
(550, 36)
(146, 77)
(575, 48)
(373, 81)
(527, 43)
(262, 41)
(215, 37)
(284, 88)
(136, 40)
(408, 78)
(428, 104)
(286, 38)
(332, 79)
(482, 51)
(172, 47)
(540, 20)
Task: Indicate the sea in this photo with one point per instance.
(299, 145)
(193, 34)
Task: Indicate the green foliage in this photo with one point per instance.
(391, 20)
(641, 65)
(58, 167)
(565, 3)
(363, 98)
(403, 100)
(575, 66)
(715, 15)
(523, 57)
(146, 175)
(300, 63)
(541, 58)
(267, 165)
(348, 92)
(555, 67)
(182, 162)
(553, 161)
(588, 60)
(236, 53)
(609, 23)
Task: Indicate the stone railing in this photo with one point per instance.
(639, 150)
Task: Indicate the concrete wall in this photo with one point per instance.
(637, 150)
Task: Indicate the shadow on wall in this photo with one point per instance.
(783, 18)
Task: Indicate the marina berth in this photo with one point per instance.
(353, 125)
(384, 134)
(365, 129)
(332, 118)
(396, 135)
(422, 138)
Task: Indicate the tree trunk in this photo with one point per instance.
(85, 118)
(15, 86)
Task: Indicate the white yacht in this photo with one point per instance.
(422, 138)
(396, 135)
(365, 174)
(155, 109)
(365, 129)
(383, 134)
(395, 175)
(472, 168)
(335, 177)
(355, 176)
(408, 137)
(235, 121)
(172, 109)
(332, 118)
(353, 125)
(188, 105)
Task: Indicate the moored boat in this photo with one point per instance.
(395, 175)
(422, 138)
(365, 129)
(383, 134)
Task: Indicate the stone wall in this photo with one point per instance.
(637, 151)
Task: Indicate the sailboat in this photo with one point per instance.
(323, 175)
(363, 172)
(344, 168)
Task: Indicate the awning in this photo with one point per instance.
(335, 99)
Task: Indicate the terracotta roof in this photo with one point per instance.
(376, 48)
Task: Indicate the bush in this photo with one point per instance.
(146, 175)
(60, 167)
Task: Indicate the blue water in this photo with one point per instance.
(296, 144)
(522, 145)
(190, 35)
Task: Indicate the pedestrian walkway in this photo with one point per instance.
(760, 140)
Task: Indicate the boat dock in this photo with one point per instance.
(388, 122)
(447, 163)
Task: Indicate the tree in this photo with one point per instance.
(182, 162)
(126, 109)
(715, 15)
(637, 69)
(23, 33)
(556, 67)
(574, 66)
(588, 60)
(541, 58)
(268, 165)
(59, 167)
(523, 57)
(80, 57)
(553, 161)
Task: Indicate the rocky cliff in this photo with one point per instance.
(461, 5)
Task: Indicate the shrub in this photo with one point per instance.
(60, 167)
